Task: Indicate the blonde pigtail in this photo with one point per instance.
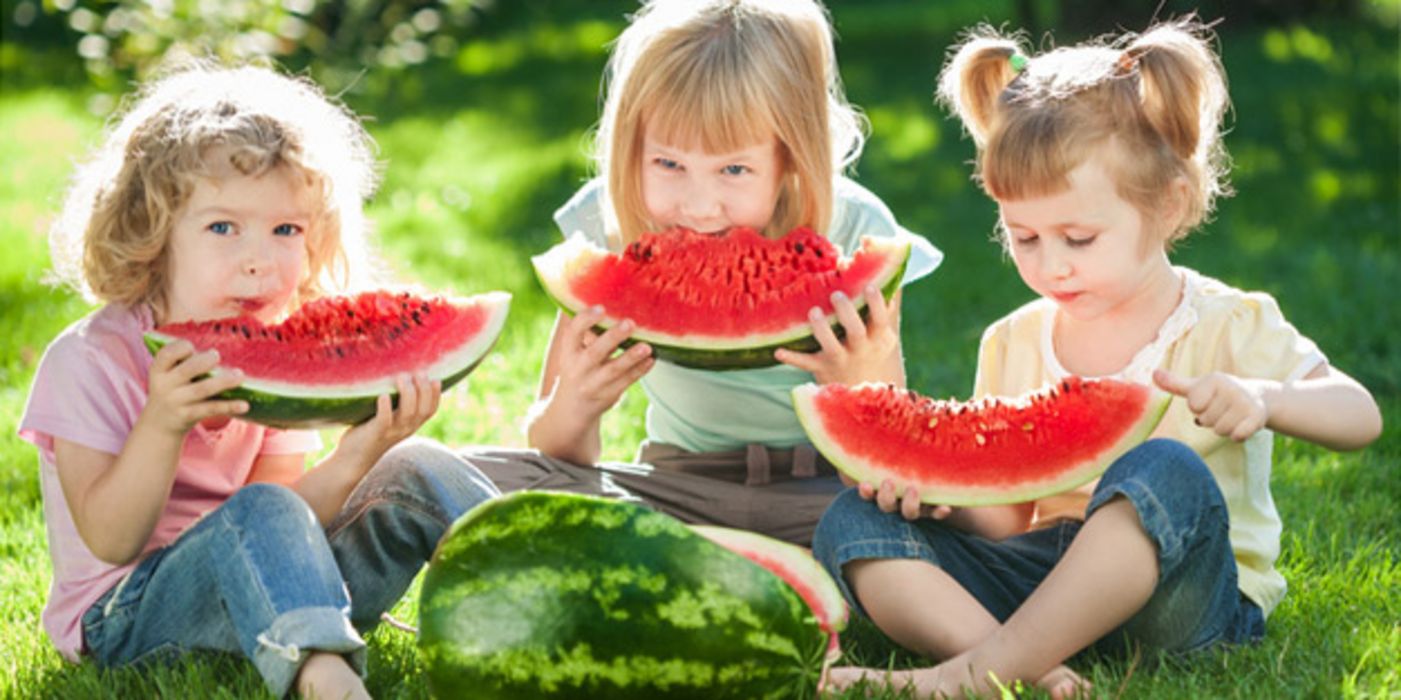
(1184, 100)
(979, 69)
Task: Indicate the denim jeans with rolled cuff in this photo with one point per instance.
(259, 576)
(1195, 605)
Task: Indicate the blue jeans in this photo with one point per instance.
(260, 576)
(1196, 602)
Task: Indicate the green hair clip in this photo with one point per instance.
(1018, 61)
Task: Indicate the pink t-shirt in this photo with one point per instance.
(89, 389)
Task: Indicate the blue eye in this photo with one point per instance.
(735, 169)
(287, 230)
(221, 227)
(667, 163)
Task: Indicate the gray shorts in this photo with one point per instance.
(779, 493)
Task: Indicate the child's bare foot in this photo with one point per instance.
(327, 676)
(923, 680)
(1063, 683)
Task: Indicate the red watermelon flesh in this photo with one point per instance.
(322, 362)
(993, 450)
(703, 293)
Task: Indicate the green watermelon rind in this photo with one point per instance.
(717, 354)
(1091, 467)
(290, 406)
(826, 601)
(606, 621)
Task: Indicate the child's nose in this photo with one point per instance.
(1055, 265)
(257, 258)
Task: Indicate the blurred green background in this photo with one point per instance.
(483, 110)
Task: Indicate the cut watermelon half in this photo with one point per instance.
(988, 451)
(330, 361)
(719, 301)
(797, 568)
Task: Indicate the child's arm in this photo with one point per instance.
(581, 380)
(1326, 406)
(116, 500)
(870, 351)
(326, 486)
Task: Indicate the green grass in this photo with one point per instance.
(480, 150)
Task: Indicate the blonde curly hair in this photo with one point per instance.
(111, 239)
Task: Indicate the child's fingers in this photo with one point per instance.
(807, 362)
(866, 491)
(171, 355)
(214, 385)
(909, 504)
(605, 344)
(882, 316)
(1211, 416)
(620, 382)
(822, 331)
(850, 319)
(195, 365)
(624, 363)
(885, 497)
(1172, 383)
(579, 329)
(212, 409)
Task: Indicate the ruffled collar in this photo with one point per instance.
(1150, 356)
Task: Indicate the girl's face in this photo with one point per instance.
(710, 192)
(238, 246)
(1085, 248)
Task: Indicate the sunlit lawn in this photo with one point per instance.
(480, 151)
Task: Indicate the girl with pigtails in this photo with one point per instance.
(1100, 157)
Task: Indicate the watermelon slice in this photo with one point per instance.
(330, 361)
(552, 595)
(718, 302)
(797, 568)
(993, 450)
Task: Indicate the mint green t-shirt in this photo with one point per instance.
(708, 411)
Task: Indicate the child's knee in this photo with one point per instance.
(265, 503)
(429, 472)
(1170, 470)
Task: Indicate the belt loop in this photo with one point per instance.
(756, 460)
(804, 461)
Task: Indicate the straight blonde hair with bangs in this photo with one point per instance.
(1151, 104)
(111, 241)
(723, 75)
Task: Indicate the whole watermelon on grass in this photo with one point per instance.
(547, 595)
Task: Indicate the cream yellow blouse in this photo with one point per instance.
(1215, 328)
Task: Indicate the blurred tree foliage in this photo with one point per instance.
(118, 40)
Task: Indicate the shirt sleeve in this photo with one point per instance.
(82, 395)
(992, 355)
(858, 212)
(582, 215)
(1263, 344)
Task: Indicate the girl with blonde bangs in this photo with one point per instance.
(1099, 157)
(719, 114)
(172, 524)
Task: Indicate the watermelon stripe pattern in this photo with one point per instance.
(995, 450)
(549, 595)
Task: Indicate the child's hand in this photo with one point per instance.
(1227, 404)
(177, 399)
(869, 353)
(591, 377)
(418, 401)
(907, 504)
